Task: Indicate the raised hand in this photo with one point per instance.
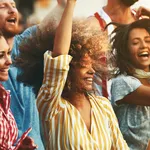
(63, 3)
(142, 11)
(27, 144)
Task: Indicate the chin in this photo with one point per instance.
(11, 32)
(3, 79)
(89, 89)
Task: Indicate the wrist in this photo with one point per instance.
(72, 2)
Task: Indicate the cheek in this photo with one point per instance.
(133, 51)
(2, 62)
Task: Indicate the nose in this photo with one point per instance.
(91, 70)
(12, 10)
(8, 60)
(143, 44)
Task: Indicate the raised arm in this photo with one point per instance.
(64, 30)
(143, 11)
(52, 19)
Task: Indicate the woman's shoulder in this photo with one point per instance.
(122, 80)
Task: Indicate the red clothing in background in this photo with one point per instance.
(8, 127)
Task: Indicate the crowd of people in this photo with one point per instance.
(72, 84)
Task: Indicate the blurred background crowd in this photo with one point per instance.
(33, 11)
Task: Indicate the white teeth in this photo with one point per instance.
(144, 54)
(89, 79)
(12, 20)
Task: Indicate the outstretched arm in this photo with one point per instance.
(64, 30)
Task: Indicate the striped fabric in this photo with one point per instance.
(8, 127)
(63, 126)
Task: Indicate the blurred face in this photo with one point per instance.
(9, 18)
(83, 74)
(139, 47)
(128, 2)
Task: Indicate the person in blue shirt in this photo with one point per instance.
(23, 103)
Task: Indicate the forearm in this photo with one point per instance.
(64, 30)
(47, 28)
(143, 11)
(141, 96)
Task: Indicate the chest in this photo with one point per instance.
(74, 127)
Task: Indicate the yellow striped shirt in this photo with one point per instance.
(63, 126)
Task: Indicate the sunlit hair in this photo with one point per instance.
(120, 50)
(85, 40)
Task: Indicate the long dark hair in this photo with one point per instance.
(120, 50)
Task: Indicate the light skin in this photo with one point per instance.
(117, 11)
(9, 26)
(5, 59)
(5, 62)
(9, 18)
(143, 11)
(139, 47)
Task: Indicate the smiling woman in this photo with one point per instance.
(9, 18)
(5, 58)
(8, 127)
(130, 94)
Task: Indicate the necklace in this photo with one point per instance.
(142, 74)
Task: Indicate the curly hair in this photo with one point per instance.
(85, 40)
(120, 50)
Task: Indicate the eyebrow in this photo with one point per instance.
(3, 51)
(12, 3)
(147, 36)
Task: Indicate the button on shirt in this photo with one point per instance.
(8, 127)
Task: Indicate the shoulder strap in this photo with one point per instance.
(98, 17)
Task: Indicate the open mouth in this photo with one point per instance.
(12, 20)
(89, 80)
(4, 70)
(144, 54)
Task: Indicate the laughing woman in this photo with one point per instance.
(131, 88)
(8, 127)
